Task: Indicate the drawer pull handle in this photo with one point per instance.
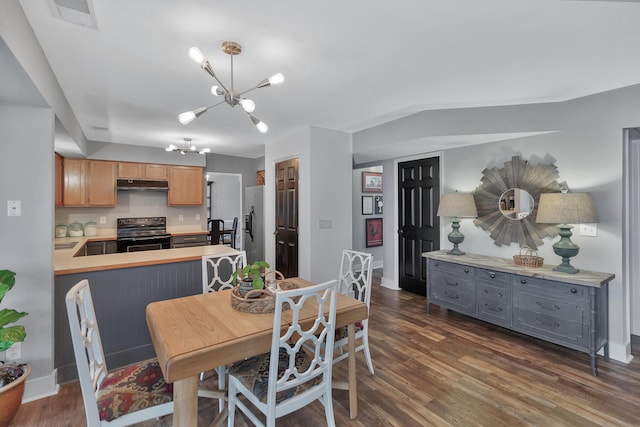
(497, 310)
(547, 307)
(436, 264)
(189, 238)
(492, 275)
(574, 290)
(486, 291)
(466, 270)
(523, 281)
(456, 296)
(548, 324)
(452, 284)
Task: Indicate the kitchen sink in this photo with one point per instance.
(68, 245)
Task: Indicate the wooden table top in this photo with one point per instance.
(201, 332)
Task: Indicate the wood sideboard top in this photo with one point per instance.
(583, 277)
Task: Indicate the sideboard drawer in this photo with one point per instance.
(494, 302)
(550, 306)
(493, 276)
(454, 292)
(551, 327)
(558, 288)
(452, 268)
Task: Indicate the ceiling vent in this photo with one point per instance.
(78, 12)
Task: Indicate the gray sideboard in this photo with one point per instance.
(566, 309)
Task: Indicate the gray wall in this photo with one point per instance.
(27, 250)
(586, 145)
(359, 220)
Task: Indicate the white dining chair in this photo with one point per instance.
(355, 281)
(123, 397)
(217, 275)
(290, 377)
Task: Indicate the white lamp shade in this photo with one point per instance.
(458, 205)
(566, 208)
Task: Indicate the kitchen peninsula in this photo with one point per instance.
(122, 285)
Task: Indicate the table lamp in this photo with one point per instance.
(564, 209)
(457, 205)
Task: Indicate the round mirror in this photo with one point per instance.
(516, 204)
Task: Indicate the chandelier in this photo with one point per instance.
(187, 147)
(231, 96)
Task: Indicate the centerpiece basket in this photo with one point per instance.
(260, 301)
(529, 258)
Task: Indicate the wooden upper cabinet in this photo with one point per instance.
(89, 182)
(59, 180)
(75, 182)
(101, 183)
(186, 186)
(130, 170)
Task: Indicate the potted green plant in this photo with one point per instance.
(250, 276)
(12, 375)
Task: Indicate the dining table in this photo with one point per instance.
(198, 333)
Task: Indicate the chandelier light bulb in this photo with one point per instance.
(248, 105)
(171, 147)
(262, 127)
(276, 79)
(186, 117)
(205, 150)
(196, 55)
(216, 91)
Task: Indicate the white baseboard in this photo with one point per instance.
(620, 352)
(41, 387)
(389, 284)
(377, 264)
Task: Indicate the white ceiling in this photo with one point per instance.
(349, 64)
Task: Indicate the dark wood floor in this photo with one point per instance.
(444, 369)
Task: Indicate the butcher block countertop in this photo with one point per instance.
(65, 263)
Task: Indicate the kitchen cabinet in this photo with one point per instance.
(130, 170)
(59, 180)
(188, 241)
(566, 309)
(186, 186)
(89, 182)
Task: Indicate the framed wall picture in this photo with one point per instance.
(371, 182)
(377, 205)
(373, 232)
(367, 205)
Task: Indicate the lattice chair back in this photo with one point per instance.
(87, 346)
(355, 275)
(217, 271)
(126, 396)
(300, 361)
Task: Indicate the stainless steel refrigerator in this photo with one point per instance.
(254, 223)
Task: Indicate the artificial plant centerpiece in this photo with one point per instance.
(12, 375)
(250, 276)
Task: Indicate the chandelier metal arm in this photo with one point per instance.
(206, 65)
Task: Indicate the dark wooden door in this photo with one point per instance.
(419, 227)
(287, 217)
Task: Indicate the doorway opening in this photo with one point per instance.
(225, 200)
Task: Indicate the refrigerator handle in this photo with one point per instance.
(249, 223)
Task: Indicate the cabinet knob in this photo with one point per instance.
(523, 281)
(492, 275)
(573, 290)
(436, 264)
(466, 270)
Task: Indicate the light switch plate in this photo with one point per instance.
(325, 223)
(590, 230)
(14, 207)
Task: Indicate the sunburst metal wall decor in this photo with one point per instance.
(515, 174)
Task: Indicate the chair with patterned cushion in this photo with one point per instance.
(217, 275)
(290, 377)
(355, 281)
(128, 395)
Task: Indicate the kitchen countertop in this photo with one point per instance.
(65, 263)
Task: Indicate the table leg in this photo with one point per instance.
(185, 402)
(353, 390)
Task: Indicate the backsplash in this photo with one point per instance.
(135, 204)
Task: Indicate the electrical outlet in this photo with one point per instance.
(14, 352)
(103, 220)
(197, 217)
(14, 207)
(589, 230)
(180, 217)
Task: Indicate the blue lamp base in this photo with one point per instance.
(566, 249)
(455, 237)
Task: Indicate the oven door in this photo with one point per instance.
(136, 244)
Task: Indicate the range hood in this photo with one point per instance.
(141, 185)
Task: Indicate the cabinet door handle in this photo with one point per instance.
(453, 284)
